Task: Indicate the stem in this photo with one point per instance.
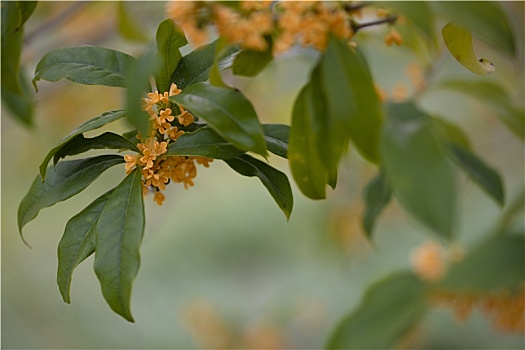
(390, 20)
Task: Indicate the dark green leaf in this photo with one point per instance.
(417, 168)
(88, 65)
(276, 136)
(275, 181)
(203, 142)
(64, 181)
(389, 310)
(221, 50)
(377, 195)
(418, 12)
(92, 124)
(449, 132)
(494, 265)
(12, 41)
(119, 232)
(80, 144)
(486, 177)
(25, 10)
(127, 26)
(228, 112)
(485, 18)
(249, 63)
(78, 243)
(170, 38)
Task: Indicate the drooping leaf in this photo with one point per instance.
(486, 177)
(377, 195)
(80, 144)
(418, 170)
(127, 26)
(62, 182)
(88, 65)
(92, 124)
(119, 231)
(494, 265)
(204, 142)
(485, 18)
(459, 42)
(449, 132)
(276, 136)
(387, 313)
(78, 243)
(275, 181)
(228, 112)
(249, 63)
(12, 41)
(170, 38)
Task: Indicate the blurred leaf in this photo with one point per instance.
(119, 232)
(221, 50)
(377, 195)
(308, 169)
(92, 124)
(21, 105)
(449, 132)
(493, 95)
(486, 177)
(25, 10)
(459, 42)
(78, 243)
(195, 67)
(275, 181)
(276, 136)
(80, 144)
(139, 74)
(204, 142)
(486, 19)
(387, 313)
(418, 12)
(64, 181)
(249, 63)
(494, 265)
(170, 38)
(88, 65)
(417, 168)
(228, 112)
(127, 26)
(12, 42)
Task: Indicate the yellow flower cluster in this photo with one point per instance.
(428, 261)
(157, 169)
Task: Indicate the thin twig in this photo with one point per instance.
(390, 20)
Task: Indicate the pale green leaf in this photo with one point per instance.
(377, 195)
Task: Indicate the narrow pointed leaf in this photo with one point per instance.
(417, 168)
(25, 10)
(80, 144)
(228, 112)
(482, 174)
(275, 181)
(78, 243)
(119, 232)
(88, 65)
(377, 195)
(92, 124)
(63, 182)
(170, 38)
(389, 310)
(249, 63)
(221, 50)
(276, 136)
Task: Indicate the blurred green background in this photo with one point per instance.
(221, 267)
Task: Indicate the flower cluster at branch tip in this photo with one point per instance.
(157, 168)
(428, 261)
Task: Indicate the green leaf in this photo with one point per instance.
(494, 265)
(12, 42)
(221, 49)
(119, 232)
(127, 26)
(449, 132)
(195, 67)
(88, 65)
(418, 12)
(170, 38)
(80, 144)
(417, 168)
(389, 310)
(276, 136)
(228, 112)
(78, 243)
(275, 181)
(139, 74)
(249, 63)
(485, 18)
(459, 42)
(20, 104)
(92, 124)
(486, 177)
(66, 180)
(204, 142)
(25, 10)
(377, 195)
(306, 164)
